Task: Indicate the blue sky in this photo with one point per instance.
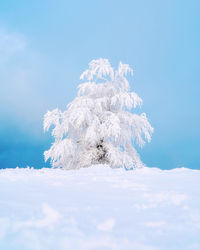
(45, 46)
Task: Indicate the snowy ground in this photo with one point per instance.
(99, 208)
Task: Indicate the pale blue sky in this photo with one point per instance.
(45, 46)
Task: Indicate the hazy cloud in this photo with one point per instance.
(11, 43)
(19, 73)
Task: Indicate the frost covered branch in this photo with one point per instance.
(99, 125)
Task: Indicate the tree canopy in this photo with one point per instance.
(99, 126)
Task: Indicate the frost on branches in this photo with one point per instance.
(99, 126)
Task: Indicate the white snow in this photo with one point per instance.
(99, 208)
(100, 125)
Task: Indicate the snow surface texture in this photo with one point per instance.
(99, 208)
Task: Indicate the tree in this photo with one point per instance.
(99, 126)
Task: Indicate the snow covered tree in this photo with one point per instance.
(99, 126)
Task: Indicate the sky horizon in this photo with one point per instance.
(45, 46)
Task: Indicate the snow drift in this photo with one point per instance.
(99, 208)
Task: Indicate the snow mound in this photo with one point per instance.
(99, 208)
